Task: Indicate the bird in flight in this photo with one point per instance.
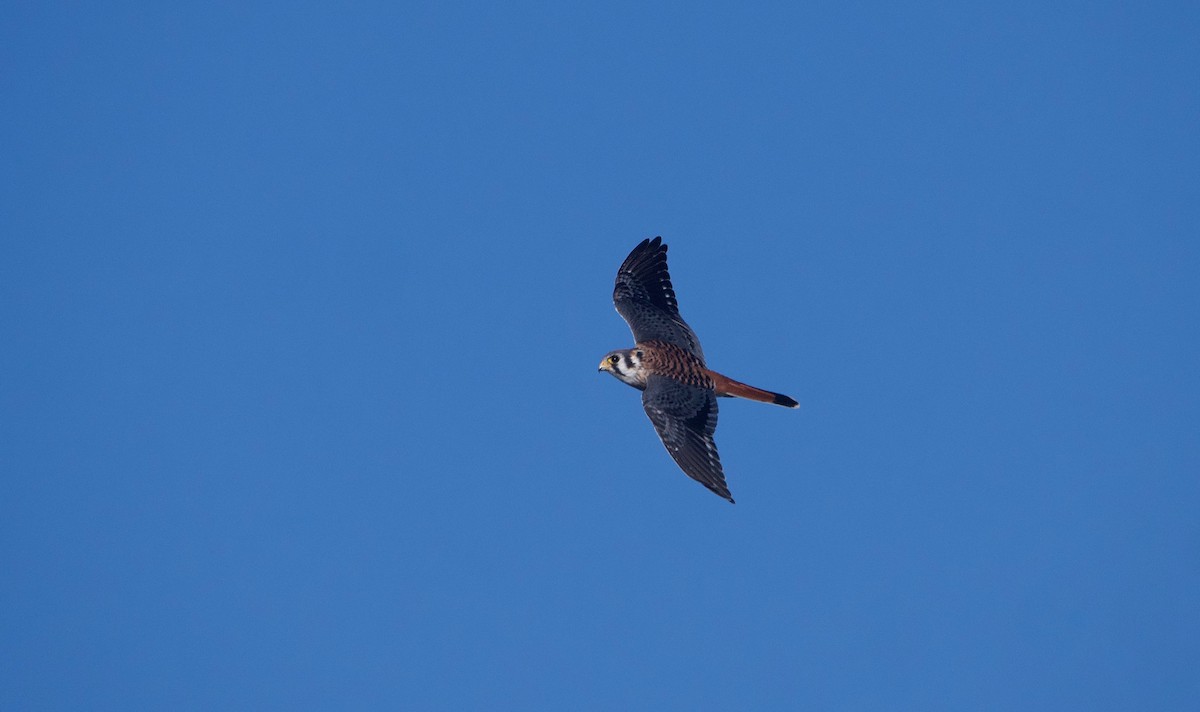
(666, 364)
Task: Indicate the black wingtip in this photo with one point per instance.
(785, 401)
(650, 245)
(646, 249)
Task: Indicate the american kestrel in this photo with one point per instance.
(666, 364)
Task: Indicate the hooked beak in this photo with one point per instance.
(605, 366)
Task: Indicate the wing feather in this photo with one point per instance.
(686, 417)
(645, 299)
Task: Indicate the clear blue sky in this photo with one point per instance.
(302, 306)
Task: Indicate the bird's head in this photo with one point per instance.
(625, 365)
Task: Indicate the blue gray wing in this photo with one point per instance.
(686, 418)
(645, 299)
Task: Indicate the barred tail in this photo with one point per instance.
(726, 386)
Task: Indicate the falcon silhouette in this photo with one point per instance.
(666, 364)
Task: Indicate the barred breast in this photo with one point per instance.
(664, 359)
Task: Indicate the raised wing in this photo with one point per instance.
(645, 299)
(686, 418)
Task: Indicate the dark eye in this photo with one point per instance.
(614, 358)
(639, 354)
